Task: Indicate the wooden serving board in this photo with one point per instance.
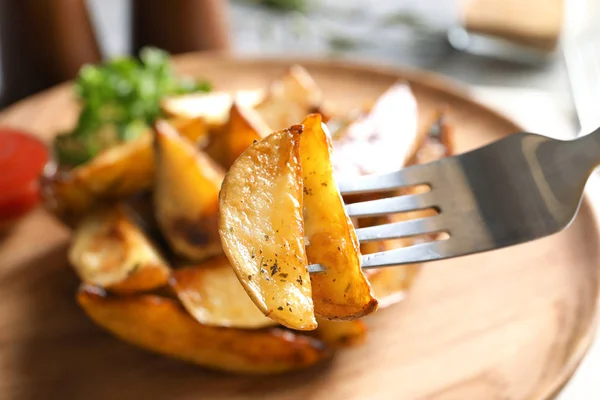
(509, 324)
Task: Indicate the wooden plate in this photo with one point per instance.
(510, 324)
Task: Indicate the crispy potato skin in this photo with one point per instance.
(110, 251)
(186, 195)
(159, 324)
(262, 231)
(342, 291)
(290, 99)
(243, 128)
(213, 295)
(116, 173)
(194, 129)
(150, 277)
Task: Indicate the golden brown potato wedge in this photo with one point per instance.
(342, 291)
(290, 99)
(262, 231)
(161, 325)
(213, 107)
(110, 251)
(341, 334)
(213, 295)
(186, 195)
(195, 129)
(243, 128)
(115, 173)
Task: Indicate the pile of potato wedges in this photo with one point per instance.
(192, 240)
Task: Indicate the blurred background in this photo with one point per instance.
(508, 43)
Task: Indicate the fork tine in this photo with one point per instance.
(395, 230)
(409, 176)
(406, 255)
(391, 205)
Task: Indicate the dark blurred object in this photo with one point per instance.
(42, 43)
(179, 26)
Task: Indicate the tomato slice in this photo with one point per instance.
(22, 160)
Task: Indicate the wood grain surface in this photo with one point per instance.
(509, 324)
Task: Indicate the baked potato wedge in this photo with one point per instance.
(341, 334)
(290, 99)
(213, 295)
(213, 107)
(115, 173)
(110, 251)
(262, 230)
(243, 128)
(161, 325)
(389, 129)
(194, 129)
(342, 291)
(186, 195)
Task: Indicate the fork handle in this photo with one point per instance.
(587, 151)
(566, 166)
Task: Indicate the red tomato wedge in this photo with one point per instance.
(22, 160)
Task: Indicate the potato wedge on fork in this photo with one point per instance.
(280, 210)
(342, 291)
(262, 231)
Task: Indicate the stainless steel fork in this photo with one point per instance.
(518, 189)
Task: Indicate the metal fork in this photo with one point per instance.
(520, 188)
